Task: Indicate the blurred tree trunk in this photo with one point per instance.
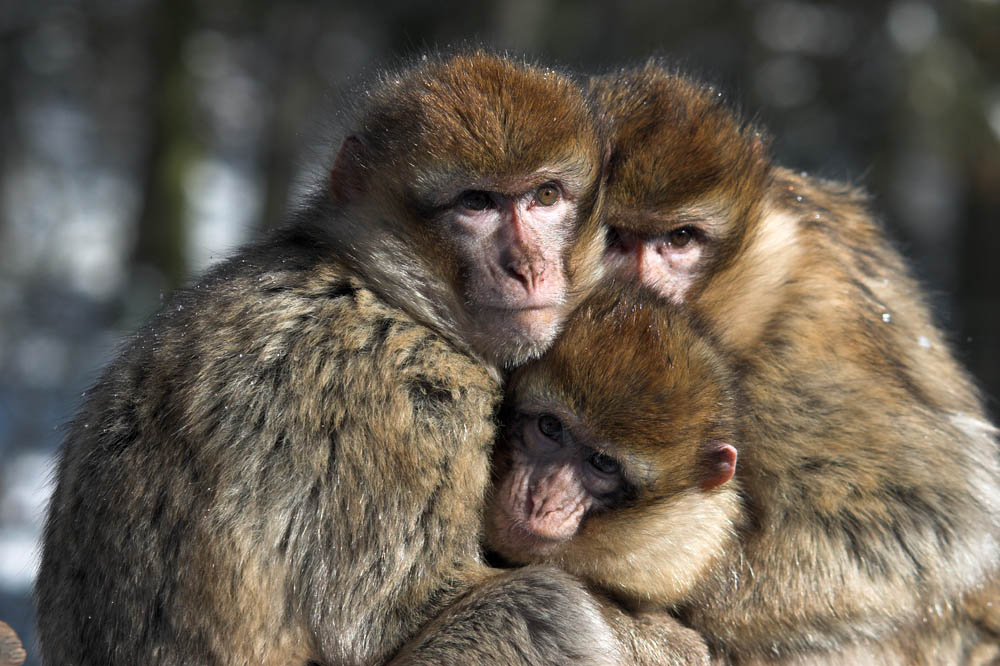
(977, 264)
(8, 133)
(11, 651)
(980, 282)
(294, 47)
(160, 241)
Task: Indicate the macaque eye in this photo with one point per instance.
(549, 426)
(604, 464)
(682, 236)
(475, 200)
(547, 194)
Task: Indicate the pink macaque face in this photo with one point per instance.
(551, 483)
(554, 475)
(667, 263)
(494, 250)
(512, 247)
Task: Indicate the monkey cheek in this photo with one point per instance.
(523, 527)
(668, 275)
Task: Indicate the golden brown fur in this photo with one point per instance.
(11, 651)
(641, 380)
(287, 464)
(869, 472)
(637, 381)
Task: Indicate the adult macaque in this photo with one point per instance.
(287, 465)
(617, 465)
(870, 474)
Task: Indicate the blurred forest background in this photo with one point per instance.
(141, 140)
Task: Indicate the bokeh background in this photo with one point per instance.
(141, 140)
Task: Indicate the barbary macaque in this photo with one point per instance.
(287, 465)
(617, 464)
(616, 460)
(869, 473)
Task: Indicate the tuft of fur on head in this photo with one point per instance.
(675, 141)
(641, 370)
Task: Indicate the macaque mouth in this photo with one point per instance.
(526, 308)
(533, 315)
(521, 303)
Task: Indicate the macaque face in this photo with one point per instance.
(556, 474)
(686, 181)
(667, 262)
(552, 482)
(489, 204)
(513, 244)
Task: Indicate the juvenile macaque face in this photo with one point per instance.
(618, 452)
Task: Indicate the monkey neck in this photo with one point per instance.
(370, 247)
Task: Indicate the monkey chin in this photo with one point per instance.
(512, 336)
(515, 543)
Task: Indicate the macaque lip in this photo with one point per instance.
(535, 322)
(517, 540)
(526, 308)
(529, 541)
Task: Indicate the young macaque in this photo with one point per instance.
(287, 465)
(869, 473)
(617, 464)
(617, 458)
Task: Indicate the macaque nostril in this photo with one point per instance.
(529, 273)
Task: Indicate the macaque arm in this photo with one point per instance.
(655, 638)
(535, 615)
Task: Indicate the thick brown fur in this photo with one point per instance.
(869, 471)
(287, 464)
(639, 381)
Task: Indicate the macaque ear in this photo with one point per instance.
(719, 464)
(347, 177)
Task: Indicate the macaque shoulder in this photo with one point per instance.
(259, 334)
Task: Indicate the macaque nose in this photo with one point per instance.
(644, 257)
(529, 270)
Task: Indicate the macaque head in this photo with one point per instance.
(468, 190)
(688, 198)
(618, 453)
